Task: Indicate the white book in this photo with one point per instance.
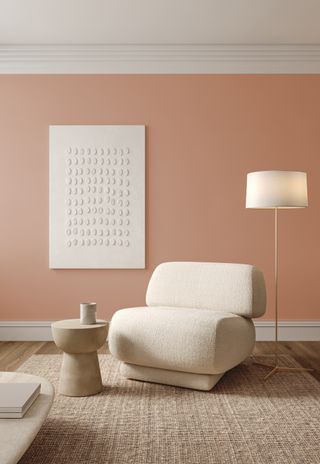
(16, 398)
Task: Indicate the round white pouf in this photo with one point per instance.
(16, 435)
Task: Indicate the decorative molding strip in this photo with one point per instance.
(288, 331)
(159, 59)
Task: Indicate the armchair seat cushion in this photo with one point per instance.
(181, 339)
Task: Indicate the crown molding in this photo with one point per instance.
(159, 59)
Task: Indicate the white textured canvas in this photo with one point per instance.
(97, 197)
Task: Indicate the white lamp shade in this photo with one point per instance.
(277, 189)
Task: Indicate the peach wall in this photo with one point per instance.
(204, 133)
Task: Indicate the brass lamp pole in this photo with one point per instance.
(275, 190)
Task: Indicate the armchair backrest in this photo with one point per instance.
(227, 287)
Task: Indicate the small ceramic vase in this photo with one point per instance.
(88, 313)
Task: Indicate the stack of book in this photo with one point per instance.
(16, 398)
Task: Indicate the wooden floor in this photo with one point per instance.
(13, 354)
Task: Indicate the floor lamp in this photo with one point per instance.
(277, 190)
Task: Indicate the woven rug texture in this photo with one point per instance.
(242, 420)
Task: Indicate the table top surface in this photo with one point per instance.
(75, 324)
(16, 435)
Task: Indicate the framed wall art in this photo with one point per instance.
(97, 197)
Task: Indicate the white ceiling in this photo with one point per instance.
(267, 22)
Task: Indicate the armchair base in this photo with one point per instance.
(179, 379)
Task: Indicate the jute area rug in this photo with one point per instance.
(242, 420)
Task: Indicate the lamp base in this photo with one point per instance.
(276, 368)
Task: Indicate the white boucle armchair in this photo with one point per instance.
(196, 325)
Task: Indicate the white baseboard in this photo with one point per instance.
(25, 331)
(288, 331)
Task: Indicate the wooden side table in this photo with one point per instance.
(80, 371)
